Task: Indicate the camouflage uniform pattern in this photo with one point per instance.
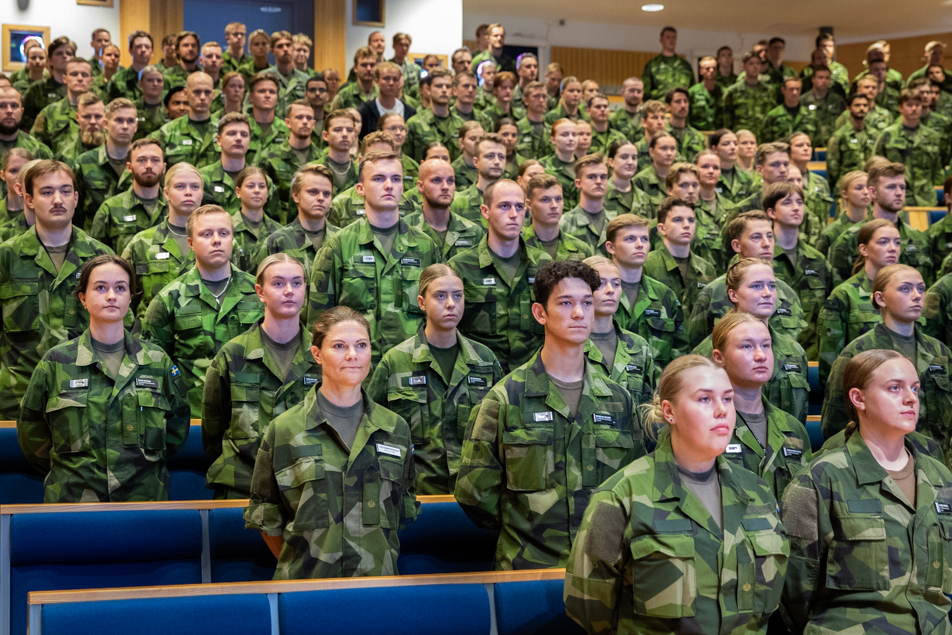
(740, 186)
(940, 238)
(938, 310)
(568, 248)
(662, 73)
(602, 141)
(96, 182)
(648, 182)
(811, 278)
(465, 175)
(576, 223)
(633, 367)
(877, 120)
(246, 241)
(634, 201)
(39, 96)
(825, 112)
(921, 153)
(532, 144)
(650, 559)
(122, 216)
(157, 261)
(779, 124)
(461, 234)
(528, 467)
(337, 509)
(708, 242)
(833, 231)
(290, 88)
(915, 251)
(218, 188)
(148, 122)
(280, 163)
(55, 125)
(291, 240)
(628, 124)
(657, 317)
(346, 207)
(707, 107)
(350, 96)
(690, 142)
(125, 83)
(183, 143)
(848, 150)
(425, 127)
(565, 173)
(745, 106)
(662, 267)
(466, 204)
(846, 314)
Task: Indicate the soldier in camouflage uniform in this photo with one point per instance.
(212, 303)
(852, 513)
(690, 141)
(57, 123)
(435, 387)
(627, 119)
(708, 204)
(789, 117)
(191, 139)
(603, 135)
(490, 161)
(735, 183)
(52, 89)
(347, 206)
(267, 129)
(666, 70)
(292, 80)
(340, 134)
(588, 220)
(917, 147)
(150, 110)
(38, 271)
(663, 153)
(255, 377)
(570, 104)
(544, 197)
(852, 145)
(534, 132)
(282, 161)
(364, 89)
(647, 307)
(373, 265)
(250, 225)
(436, 123)
(333, 484)
(749, 100)
(234, 54)
(622, 197)
(187, 50)
(11, 113)
(940, 233)
(824, 104)
(455, 233)
(706, 97)
(91, 115)
(127, 81)
(878, 118)
(99, 419)
(652, 554)
(529, 460)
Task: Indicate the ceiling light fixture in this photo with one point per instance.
(652, 8)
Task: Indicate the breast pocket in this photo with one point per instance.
(383, 491)
(612, 449)
(794, 393)
(941, 552)
(20, 307)
(358, 288)
(664, 575)
(68, 421)
(411, 288)
(304, 480)
(858, 556)
(479, 316)
(144, 414)
(411, 404)
(529, 459)
(189, 334)
(760, 575)
(245, 412)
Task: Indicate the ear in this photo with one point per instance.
(717, 357)
(359, 188)
(316, 354)
(857, 398)
(878, 301)
(538, 312)
(863, 250)
(419, 300)
(482, 210)
(732, 296)
(668, 412)
(735, 245)
(771, 214)
(578, 183)
(610, 248)
(259, 290)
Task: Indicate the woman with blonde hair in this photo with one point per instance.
(854, 207)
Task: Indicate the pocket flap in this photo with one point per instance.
(152, 399)
(407, 394)
(18, 288)
(188, 321)
(244, 392)
(768, 543)
(861, 528)
(296, 474)
(75, 399)
(612, 438)
(670, 545)
(391, 468)
(661, 324)
(527, 436)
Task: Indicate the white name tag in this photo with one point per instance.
(360, 212)
(130, 218)
(541, 416)
(162, 255)
(369, 259)
(418, 381)
(383, 448)
(219, 189)
(186, 142)
(489, 282)
(734, 448)
(79, 383)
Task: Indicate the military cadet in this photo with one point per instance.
(90, 135)
(490, 161)
(603, 135)
(370, 449)
(824, 105)
(212, 303)
(100, 40)
(855, 198)
(469, 135)
(191, 139)
(533, 130)
(38, 272)
(162, 253)
(507, 129)
(351, 266)
(57, 124)
(231, 96)
(706, 97)
(34, 68)
(746, 152)
(708, 206)
(748, 100)
(887, 184)
(23, 220)
(898, 293)
(663, 152)
(553, 83)
(627, 119)
(494, 52)
(622, 197)
(291, 80)
(877, 118)
(347, 206)
(774, 68)
(150, 111)
(583, 131)
(11, 113)
(255, 377)
(903, 494)
(772, 166)
(624, 574)
(528, 169)
(889, 91)
(316, 96)
(668, 69)
(750, 235)
(932, 56)
(940, 232)
(546, 205)
(452, 232)
(436, 123)
(673, 263)
(302, 51)
(486, 74)
(409, 68)
(311, 190)
(725, 76)
(503, 106)
(169, 56)
(852, 145)
(267, 130)
(11, 164)
(570, 102)
(562, 397)
(110, 65)
(176, 104)
(435, 379)
(790, 116)
(53, 89)
(234, 56)
(647, 306)
(915, 146)
(389, 81)
(825, 53)
(653, 120)
(796, 262)
(465, 85)
(281, 162)
(690, 141)
(259, 45)
(363, 89)
(561, 163)
(588, 220)
(104, 411)
(498, 275)
(527, 69)
(412, 200)
(735, 183)
(340, 134)
(930, 118)
(250, 223)
(126, 81)
(138, 208)
(187, 49)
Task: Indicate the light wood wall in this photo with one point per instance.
(158, 17)
(905, 53)
(330, 35)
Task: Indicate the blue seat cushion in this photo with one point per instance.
(189, 485)
(524, 608)
(444, 540)
(237, 554)
(21, 488)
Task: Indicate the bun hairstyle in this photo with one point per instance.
(857, 374)
(335, 315)
(669, 388)
(433, 272)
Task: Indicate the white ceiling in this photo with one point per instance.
(851, 19)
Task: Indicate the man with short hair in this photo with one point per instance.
(53, 89)
(668, 69)
(169, 56)
(527, 70)
(187, 49)
(436, 123)
(126, 81)
(489, 159)
(362, 90)
(450, 231)
(316, 94)
(826, 51)
(57, 123)
(101, 173)
(38, 272)
(501, 478)
(340, 134)
(464, 165)
(123, 215)
(461, 60)
(653, 120)
(627, 119)
(34, 68)
(544, 197)
(706, 97)
(553, 84)
(588, 220)
(603, 135)
(302, 52)
(749, 99)
(465, 85)
(11, 112)
(191, 139)
(176, 103)
(150, 111)
(348, 205)
(775, 70)
(826, 105)
(673, 263)
(283, 161)
(888, 96)
(409, 68)
(266, 129)
(494, 52)
(690, 141)
(790, 116)
(235, 34)
(212, 303)
(917, 147)
(292, 81)
(878, 118)
(373, 264)
(772, 164)
(389, 79)
(211, 61)
(91, 116)
(725, 77)
(100, 39)
(533, 131)
(852, 145)
(932, 55)
(888, 185)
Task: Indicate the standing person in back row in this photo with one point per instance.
(668, 69)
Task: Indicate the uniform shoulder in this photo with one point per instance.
(633, 340)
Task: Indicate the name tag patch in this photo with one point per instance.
(368, 259)
(944, 509)
(130, 218)
(410, 262)
(783, 311)
(489, 282)
(936, 368)
(792, 452)
(162, 255)
(634, 368)
(811, 272)
(601, 418)
(309, 381)
(542, 416)
(186, 142)
(463, 243)
(79, 383)
(146, 382)
(652, 313)
(383, 448)
(734, 448)
(910, 248)
(476, 381)
(792, 367)
(419, 380)
(219, 189)
(532, 280)
(360, 212)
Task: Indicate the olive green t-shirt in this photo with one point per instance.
(571, 393)
(340, 171)
(682, 265)
(551, 247)
(110, 355)
(316, 238)
(301, 155)
(441, 234)
(217, 287)
(757, 422)
(906, 479)
(58, 255)
(118, 165)
(253, 225)
(509, 266)
(180, 234)
(282, 354)
(387, 236)
(265, 128)
(149, 203)
(707, 487)
(345, 420)
(445, 358)
(201, 127)
(232, 175)
(597, 221)
(905, 344)
(606, 343)
(791, 255)
(631, 291)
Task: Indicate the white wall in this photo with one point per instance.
(64, 17)
(691, 43)
(435, 25)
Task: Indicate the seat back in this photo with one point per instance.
(237, 554)
(443, 539)
(530, 608)
(20, 482)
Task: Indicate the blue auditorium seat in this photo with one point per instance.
(936, 215)
(941, 194)
(530, 608)
(188, 468)
(819, 154)
(820, 172)
(432, 543)
(20, 482)
(237, 554)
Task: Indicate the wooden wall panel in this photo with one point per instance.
(158, 17)
(133, 16)
(330, 35)
(607, 67)
(905, 53)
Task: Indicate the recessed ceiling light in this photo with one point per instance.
(652, 8)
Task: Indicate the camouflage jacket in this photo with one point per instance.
(877, 120)
(628, 124)
(39, 96)
(218, 188)
(833, 231)
(648, 182)
(125, 83)
(157, 261)
(565, 173)
(915, 251)
(498, 313)
(337, 509)
(568, 248)
(280, 162)
(185, 320)
(650, 559)
(840, 78)
(102, 439)
(811, 278)
(461, 234)
(243, 392)
(602, 141)
(861, 557)
(708, 242)
(503, 62)
(935, 390)
(662, 267)
(260, 142)
(746, 106)
(712, 304)
(290, 88)
(633, 366)
(350, 96)
(559, 112)
(938, 310)
(183, 143)
(16, 226)
(825, 112)
(353, 270)
(466, 175)
(411, 383)
(848, 149)
(466, 204)
(122, 216)
(38, 307)
(846, 314)
(532, 144)
(940, 240)
(707, 107)
(425, 127)
(662, 73)
(96, 182)
(55, 125)
(247, 240)
(922, 154)
(789, 385)
(33, 146)
(528, 468)
(292, 240)
(341, 182)
(149, 120)
(736, 187)
(634, 201)
(231, 63)
(657, 317)
(778, 124)
(576, 223)
(690, 142)
(71, 150)
(346, 207)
